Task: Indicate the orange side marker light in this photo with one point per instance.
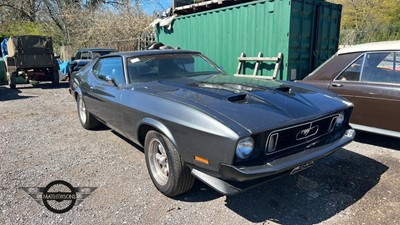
(201, 159)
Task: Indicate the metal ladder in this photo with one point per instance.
(259, 59)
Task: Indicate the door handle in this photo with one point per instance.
(337, 85)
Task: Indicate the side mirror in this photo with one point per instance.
(72, 58)
(110, 80)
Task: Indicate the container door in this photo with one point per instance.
(314, 35)
(327, 30)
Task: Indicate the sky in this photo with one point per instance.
(158, 5)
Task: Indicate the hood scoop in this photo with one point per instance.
(283, 89)
(240, 97)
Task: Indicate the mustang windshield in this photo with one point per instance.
(169, 66)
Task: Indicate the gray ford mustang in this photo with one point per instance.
(193, 120)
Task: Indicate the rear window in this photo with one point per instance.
(97, 54)
(333, 66)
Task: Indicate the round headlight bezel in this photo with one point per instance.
(340, 119)
(245, 148)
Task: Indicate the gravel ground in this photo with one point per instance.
(41, 140)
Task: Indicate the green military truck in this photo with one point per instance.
(32, 58)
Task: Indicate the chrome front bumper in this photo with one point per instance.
(246, 177)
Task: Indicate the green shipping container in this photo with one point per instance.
(306, 32)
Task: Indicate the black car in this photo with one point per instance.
(193, 120)
(84, 56)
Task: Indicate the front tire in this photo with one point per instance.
(167, 170)
(11, 79)
(87, 120)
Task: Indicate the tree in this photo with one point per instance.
(75, 22)
(23, 9)
(369, 20)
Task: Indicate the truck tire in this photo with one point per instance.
(11, 80)
(55, 77)
(167, 170)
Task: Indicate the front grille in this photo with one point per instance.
(282, 139)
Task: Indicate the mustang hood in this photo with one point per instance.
(252, 103)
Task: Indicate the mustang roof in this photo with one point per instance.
(151, 52)
(373, 46)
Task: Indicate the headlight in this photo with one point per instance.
(340, 119)
(244, 148)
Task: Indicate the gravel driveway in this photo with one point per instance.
(41, 140)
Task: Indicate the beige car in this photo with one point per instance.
(369, 76)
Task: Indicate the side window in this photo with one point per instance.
(78, 55)
(95, 55)
(382, 67)
(353, 72)
(110, 68)
(85, 55)
(96, 68)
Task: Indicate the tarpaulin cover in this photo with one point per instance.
(64, 67)
(3, 47)
(29, 45)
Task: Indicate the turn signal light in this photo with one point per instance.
(201, 159)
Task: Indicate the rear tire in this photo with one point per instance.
(11, 79)
(166, 168)
(55, 77)
(71, 80)
(87, 120)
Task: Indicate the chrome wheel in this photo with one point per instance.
(88, 121)
(166, 168)
(82, 110)
(158, 161)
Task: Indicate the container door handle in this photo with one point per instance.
(337, 85)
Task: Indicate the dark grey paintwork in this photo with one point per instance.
(207, 115)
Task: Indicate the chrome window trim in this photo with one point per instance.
(348, 65)
(364, 55)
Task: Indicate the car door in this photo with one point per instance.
(372, 83)
(105, 87)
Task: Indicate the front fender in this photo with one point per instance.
(157, 125)
(75, 92)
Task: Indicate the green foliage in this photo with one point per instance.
(17, 28)
(369, 20)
